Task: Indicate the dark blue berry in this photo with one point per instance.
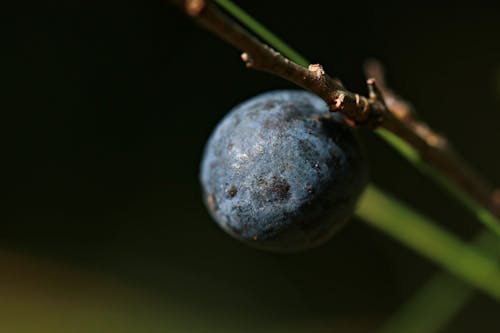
(281, 172)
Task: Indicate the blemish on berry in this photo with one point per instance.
(232, 191)
(269, 104)
(309, 188)
(280, 188)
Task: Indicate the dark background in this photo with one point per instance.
(112, 105)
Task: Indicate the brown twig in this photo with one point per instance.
(381, 108)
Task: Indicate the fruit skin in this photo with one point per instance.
(281, 172)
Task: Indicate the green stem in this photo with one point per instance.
(262, 32)
(482, 214)
(419, 233)
(430, 310)
(438, 300)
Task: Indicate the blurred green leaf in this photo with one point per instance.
(483, 215)
(438, 300)
(425, 237)
(39, 295)
(263, 32)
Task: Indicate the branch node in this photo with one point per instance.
(194, 7)
(374, 92)
(339, 102)
(247, 59)
(365, 103)
(317, 70)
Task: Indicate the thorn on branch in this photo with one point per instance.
(400, 108)
(374, 69)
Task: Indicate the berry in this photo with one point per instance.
(281, 172)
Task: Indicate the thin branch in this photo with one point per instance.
(382, 108)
